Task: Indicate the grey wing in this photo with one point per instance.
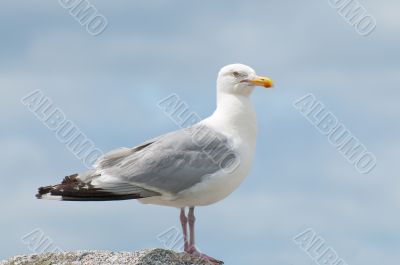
(170, 163)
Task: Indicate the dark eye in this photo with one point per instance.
(236, 74)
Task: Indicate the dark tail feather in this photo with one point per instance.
(73, 189)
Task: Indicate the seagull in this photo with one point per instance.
(195, 166)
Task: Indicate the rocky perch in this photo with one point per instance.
(142, 257)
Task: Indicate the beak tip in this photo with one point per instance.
(269, 84)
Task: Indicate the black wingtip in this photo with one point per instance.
(72, 179)
(74, 189)
(42, 191)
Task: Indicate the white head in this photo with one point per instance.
(240, 79)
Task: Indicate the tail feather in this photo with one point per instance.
(74, 189)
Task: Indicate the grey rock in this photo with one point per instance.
(142, 257)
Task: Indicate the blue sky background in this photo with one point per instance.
(109, 86)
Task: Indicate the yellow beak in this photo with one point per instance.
(262, 81)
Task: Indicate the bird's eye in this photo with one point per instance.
(236, 74)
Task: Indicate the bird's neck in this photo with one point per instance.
(236, 112)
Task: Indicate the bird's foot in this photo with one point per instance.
(194, 252)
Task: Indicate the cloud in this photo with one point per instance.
(109, 86)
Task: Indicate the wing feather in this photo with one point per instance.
(170, 163)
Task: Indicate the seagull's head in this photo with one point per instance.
(240, 79)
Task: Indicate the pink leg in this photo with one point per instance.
(184, 222)
(192, 220)
(192, 244)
